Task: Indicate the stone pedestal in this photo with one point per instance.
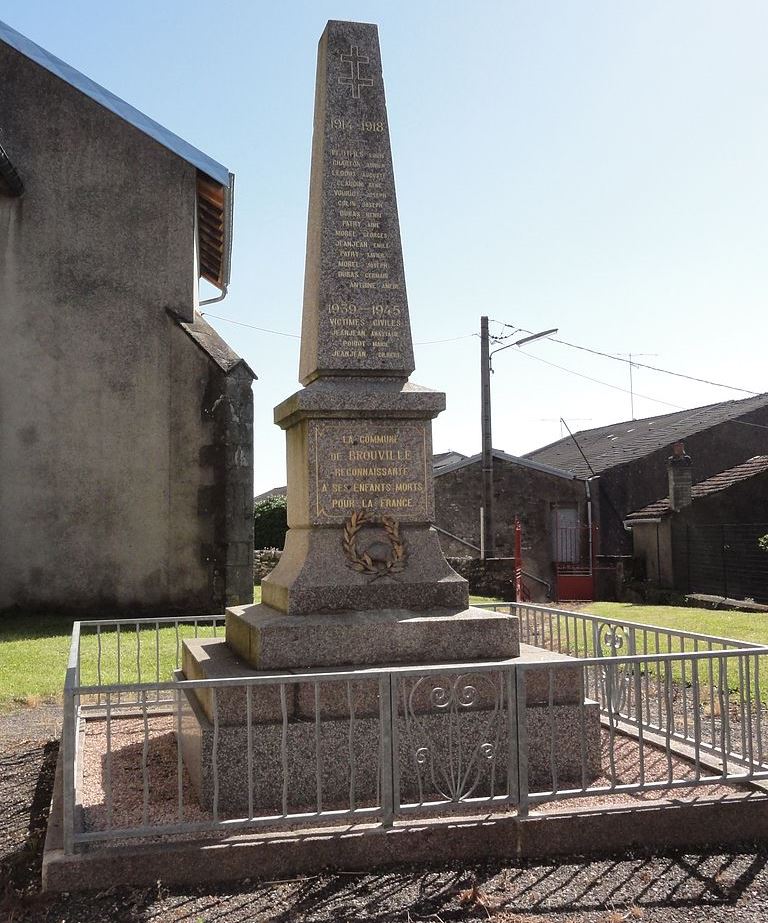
(269, 640)
(361, 501)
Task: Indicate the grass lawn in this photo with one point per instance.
(741, 626)
(33, 656)
(34, 651)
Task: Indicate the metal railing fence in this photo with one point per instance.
(659, 733)
(581, 634)
(122, 653)
(147, 752)
(311, 747)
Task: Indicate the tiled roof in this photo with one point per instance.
(718, 482)
(446, 458)
(608, 446)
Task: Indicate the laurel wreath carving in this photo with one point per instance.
(363, 562)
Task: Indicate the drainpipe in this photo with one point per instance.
(218, 298)
(589, 522)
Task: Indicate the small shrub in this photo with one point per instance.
(270, 522)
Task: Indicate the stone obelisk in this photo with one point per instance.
(362, 581)
(361, 554)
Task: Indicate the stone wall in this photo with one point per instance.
(487, 578)
(519, 490)
(264, 560)
(108, 447)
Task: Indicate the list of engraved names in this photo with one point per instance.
(370, 466)
(365, 312)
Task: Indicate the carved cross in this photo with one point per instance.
(354, 79)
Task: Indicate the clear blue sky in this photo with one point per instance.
(599, 167)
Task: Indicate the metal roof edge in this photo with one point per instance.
(114, 104)
(538, 466)
(514, 459)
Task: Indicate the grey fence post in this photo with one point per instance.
(387, 754)
(513, 750)
(522, 743)
(69, 742)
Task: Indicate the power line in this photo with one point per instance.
(597, 381)
(467, 336)
(642, 365)
(296, 336)
(277, 333)
(646, 397)
(514, 331)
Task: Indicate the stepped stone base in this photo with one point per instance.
(269, 640)
(324, 746)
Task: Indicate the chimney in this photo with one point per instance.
(680, 477)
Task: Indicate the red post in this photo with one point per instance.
(518, 561)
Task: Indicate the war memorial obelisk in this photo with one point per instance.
(362, 578)
(362, 581)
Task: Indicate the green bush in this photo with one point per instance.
(270, 522)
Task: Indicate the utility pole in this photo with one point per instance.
(487, 443)
(487, 543)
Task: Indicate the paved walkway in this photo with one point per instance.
(41, 722)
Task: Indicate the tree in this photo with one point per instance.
(270, 522)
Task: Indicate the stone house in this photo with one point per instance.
(553, 507)
(125, 420)
(630, 457)
(705, 537)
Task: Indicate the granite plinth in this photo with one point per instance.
(361, 502)
(269, 640)
(314, 576)
(212, 658)
(326, 761)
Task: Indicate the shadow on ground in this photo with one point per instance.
(708, 886)
(26, 779)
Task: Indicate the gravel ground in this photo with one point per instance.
(676, 888)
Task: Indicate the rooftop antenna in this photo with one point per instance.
(561, 421)
(581, 451)
(631, 385)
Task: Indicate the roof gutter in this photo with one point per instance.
(629, 523)
(229, 218)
